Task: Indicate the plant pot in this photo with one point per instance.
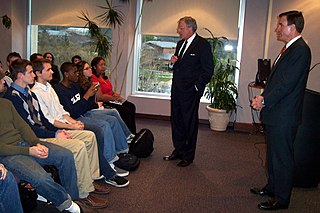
(218, 119)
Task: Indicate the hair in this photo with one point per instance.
(38, 64)
(2, 74)
(84, 82)
(44, 55)
(19, 66)
(190, 22)
(74, 57)
(296, 18)
(94, 63)
(67, 67)
(13, 54)
(34, 56)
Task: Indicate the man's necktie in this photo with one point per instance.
(183, 49)
(282, 50)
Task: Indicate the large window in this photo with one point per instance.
(154, 75)
(64, 42)
(158, 37)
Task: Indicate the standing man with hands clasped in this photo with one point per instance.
(281, 109)
(192, 66)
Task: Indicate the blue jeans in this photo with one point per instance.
(30, 169)
(9, 195)
(105, 168)
(115, 141)
(114, 113)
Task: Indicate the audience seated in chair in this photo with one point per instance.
(56, 115)
(21, 150)
(82, 143)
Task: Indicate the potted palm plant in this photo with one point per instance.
(221, 90)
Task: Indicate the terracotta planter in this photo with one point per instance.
(218, 119)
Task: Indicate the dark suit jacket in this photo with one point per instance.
(195, 68)
(284, 91)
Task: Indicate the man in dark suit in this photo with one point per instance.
(281, 109)
(192, 66)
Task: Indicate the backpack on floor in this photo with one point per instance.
(127, 162)
(142, 144)
(28, 196)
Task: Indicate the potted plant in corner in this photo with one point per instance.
(221, 90)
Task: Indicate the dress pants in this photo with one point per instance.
(184, 122)
(280, 158)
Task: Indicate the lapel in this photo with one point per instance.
(179, 46)
(283, 55)
(191, 46)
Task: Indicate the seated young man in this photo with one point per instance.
(9, 193)
(23, 154)
(56, 115)
(82, 143)
(79, 107)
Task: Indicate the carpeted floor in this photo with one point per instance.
(227, 165)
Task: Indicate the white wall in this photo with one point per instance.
(13, 39)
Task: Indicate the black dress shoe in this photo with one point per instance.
(261, 192)
(271, 205)
(184, 163)
(171, 157)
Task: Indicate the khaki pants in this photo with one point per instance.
(85, 152)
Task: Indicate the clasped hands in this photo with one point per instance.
(257, 102)
(39, 151)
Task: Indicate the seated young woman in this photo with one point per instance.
(111, 98)
(85, 75)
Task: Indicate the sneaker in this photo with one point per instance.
(130, 138)
(121, 172)
(98, 178)
(40, 198)
(117, 181)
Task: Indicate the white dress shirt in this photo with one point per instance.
(49, 102)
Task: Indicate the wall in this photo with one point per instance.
(5, 34)
(13, 39)
(311, 32)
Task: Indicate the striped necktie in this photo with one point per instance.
(183, 49)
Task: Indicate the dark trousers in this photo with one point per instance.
(280, 158)
(184, 122)
(127, 112)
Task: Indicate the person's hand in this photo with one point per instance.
(63, 134)
(100, 104)
(81, 124)
(92, 90)
(77, 126)
(3, 172)
(173, 59)
(38, 151)
(256, 102)
(116, 95)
